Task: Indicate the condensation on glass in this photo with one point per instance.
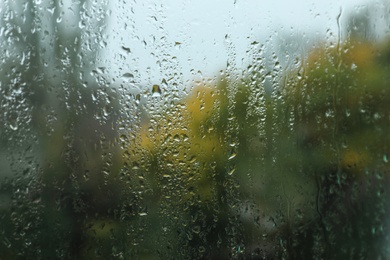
(194, 130)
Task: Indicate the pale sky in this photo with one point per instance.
(152, 40)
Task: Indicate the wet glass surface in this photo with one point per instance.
(183, 130)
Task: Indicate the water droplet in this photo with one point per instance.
(164, 84)
(82, 24)
(126, 49)
(231, 169)
(128, 76)
(192, 159)
(13, 125)
(86, 175)
(135, 166)
(232, 155)
(94, 96)
(137, 99)
(156, 91)
(106, 110)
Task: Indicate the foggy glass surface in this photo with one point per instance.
(179, 130)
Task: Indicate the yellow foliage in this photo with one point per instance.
(360, 55)
(354, 161)
(185, 141)
(198, 109)
(101, 228)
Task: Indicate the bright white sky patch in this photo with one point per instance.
(154, 39)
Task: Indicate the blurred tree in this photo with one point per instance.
(339, 105)
(306, 160)
(60, 124)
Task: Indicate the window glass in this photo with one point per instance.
(194, 129)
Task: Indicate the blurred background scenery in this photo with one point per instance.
(224, 130)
